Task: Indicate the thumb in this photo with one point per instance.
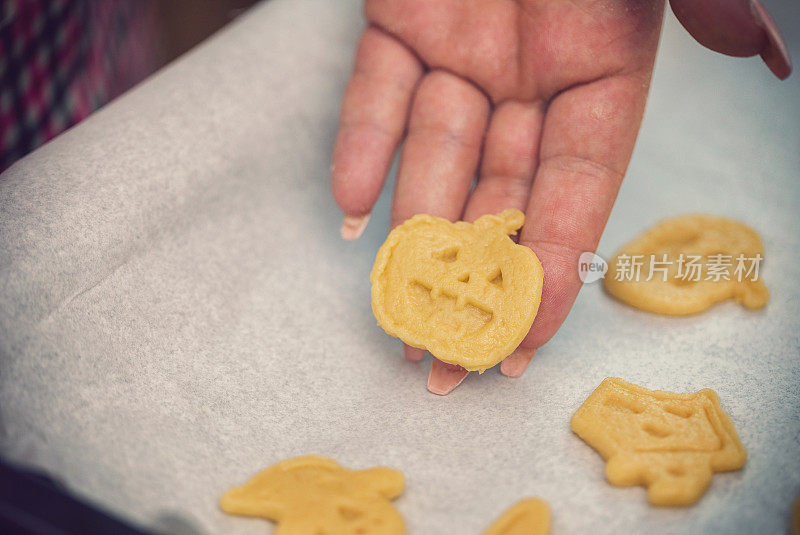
(736, 28)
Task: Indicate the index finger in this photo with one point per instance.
(588, 137)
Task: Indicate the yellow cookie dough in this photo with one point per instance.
(530, 516)
(465, 292)
(312, 495)
(672, 443)
(693, 262)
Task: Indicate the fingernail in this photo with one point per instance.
(353, 226)
(515, 364)
(775, 54)
(413, 354)
(445, 377)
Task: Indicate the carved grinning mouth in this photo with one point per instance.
(455, 306)
(443, 305)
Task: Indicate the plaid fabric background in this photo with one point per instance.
(62, 59)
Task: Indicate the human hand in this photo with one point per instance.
(541, 99)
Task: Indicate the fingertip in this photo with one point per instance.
(353, 226)
(413, 354)
(444, 377)
(517, 362)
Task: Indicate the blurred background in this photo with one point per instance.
(62, 59)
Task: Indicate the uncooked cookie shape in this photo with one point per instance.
(672, 443)
(686, 264)
(530, 516)
(465, 292)
(315, 495)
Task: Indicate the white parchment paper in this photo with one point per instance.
(177, 310)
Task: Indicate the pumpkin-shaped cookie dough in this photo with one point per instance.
(692, 262)
(465, 292)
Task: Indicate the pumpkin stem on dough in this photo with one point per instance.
(509, 221)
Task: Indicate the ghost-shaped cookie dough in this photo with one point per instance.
(686, 264)
(312, 495)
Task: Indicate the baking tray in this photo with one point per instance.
(177, 310)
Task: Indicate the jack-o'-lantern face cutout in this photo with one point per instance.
(686, 264)
(465, 292)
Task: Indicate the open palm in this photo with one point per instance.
(541, 99)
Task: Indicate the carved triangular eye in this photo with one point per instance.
(496, 278)
(679, 410)
(447, 255)
(350, 514)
